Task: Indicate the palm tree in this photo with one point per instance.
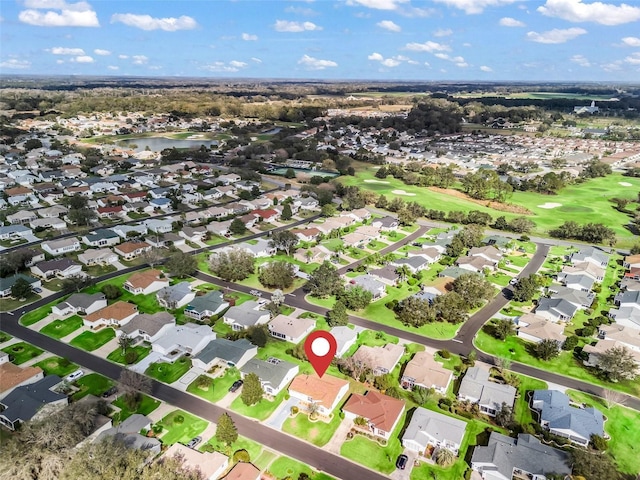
(445, 457)
(403, 271)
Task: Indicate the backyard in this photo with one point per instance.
(92, 384)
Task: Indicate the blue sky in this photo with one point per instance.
(535, 40)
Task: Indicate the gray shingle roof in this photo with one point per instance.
(476, 384)
(271, 372)
(150, 324)
(209, 302)
(554, 408)
(426, 424)
(174, 293)
(84, 300)
(556, 305)
(24, 402)
(225, 350)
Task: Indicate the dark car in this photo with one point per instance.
(402, 462)
(194, 441)
(112, 391)
(236, 385)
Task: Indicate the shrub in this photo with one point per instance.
(412, 281)
(570, 343)
(241, 456)
(130, 357)
(294, 410)
(444, 353)
(599, 443)
(178, 419)
(586, 331)
(445, 403)
(157, 429)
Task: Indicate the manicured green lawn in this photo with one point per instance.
(146, 406)
(57, 366)
(242, 443)
(181, 427)
(522, 412)
(169, 372)
(38, 314)
(318, 433)
(218, 388)
(117, 356)
(145, 303)
(22, 352)
(373, 455)
(332, 244)
(93, 384)
(499, 278)
(623, 426)
(285, 467)
(61, 328)
(565, 364)
(90, 341)
(5, 337)
(8, 304)
(264, 459)
(261, 410)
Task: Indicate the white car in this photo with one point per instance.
(72, 377)
(513, 281)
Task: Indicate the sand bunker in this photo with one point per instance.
(402, 192)
(550, 205)
(370, 180)
(625, 184)
(195, 137)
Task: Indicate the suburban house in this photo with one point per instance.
(206, 306)
(243, 471)
(158, 225)
(630, 298)
(62, 246)
(379, 359)
(477, 388)
(584, 268)
(381, 412)
(523, 457)
(454, 272)
(128, 432)
(246, 315)
(274, 374)
(33, 401)
(555, 309)
(146, 282)
(385, 224)
(590, 254)
(81, 304)
(61, 268)
(291, 329)
(533, 328)
(55, 223)
(225, 353)
(7, 283)
(489, 253)
(594, 351)
(101, 238)
(183, 339)
(12, 376)
(557, 415)
(130, 250)
(148, 327)
(423, 371)
(175, 296)
(115, 315)
(345, 338)
(414, 263)
(628, 316)
(317, 254)
(630, 261)
(324, 392)
(475, 264)
(578, 298)
(102, 256)
(210, 464)
(577, 281)
(429, 431)
(370, 284)
(32, 256)
(625, 336)
(387, 275)
(11, 232)
(306, 234)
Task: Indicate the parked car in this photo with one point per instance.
(236, 385)
(401, 463)
(513, 281)
(112, 391)
(74, 376)
(37, 290)
(194, 442)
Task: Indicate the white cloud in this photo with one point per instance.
(147, 22)
(510, 22)
(15, 64)
(390, 62)
(581, 60)
(308, 12)
(631, 41)
(462, 64)
(232, 66)
(113, 67)
(249, 38)
(315, 63)
(59, 61)
(598, 12)
(474, 6)
(389, 25)
(377, 4)
(633, 59)
(376, 56)
(484, 68)
(256, 59)
(556, 35)
(442, 56)
(58, 13)
(139, 59)
(428, 46)
(66, 51)
(100, 51)
(295, 27)
(237, 64)
(443, 32)
(83, 59)
(123, 57)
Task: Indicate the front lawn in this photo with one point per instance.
(145, 407)
(117, 357)
(217, 388)
(285, 467)
(92, 384)
(5, 337)
(91, 341)
(57, 366)
(318, 433)
(169, 372)
(261, 410)
(38, 314)
(254, 449)
(61, 328)
(518, 260)
(181, 427)
(22, 352)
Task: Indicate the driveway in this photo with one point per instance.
(143, 364)
(406, 473)
(277, 418)
(339, 436)
(184, 381)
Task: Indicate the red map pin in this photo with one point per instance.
(320, 347)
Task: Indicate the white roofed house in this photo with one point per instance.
(101, 256)
(274, 374)
(81, 304)
(590, 254)
(432, 429)
(425, 372)
(291, 329)
(246, 315)
(535, 329)
(380, 360)
(175, 296)
(62, 246)
(44, 223)
(183, 339)
(555, 309)
(345, 338)
(370, 284)
(148, 327)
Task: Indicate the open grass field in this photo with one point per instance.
(583, 203)
(318, 432)
(261, 410)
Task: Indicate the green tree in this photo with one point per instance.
(474, 288)
(415, 312)
(226, 431)
(32, 144)
(450, 307)
(21, 288)
(290, 173)
(503, 328)
(422, 395)
(617, 363)
(111, 292)
(237, 227)
(236, 264)
(284, 240)
(504, 416)
(251, 390)
(338, 316)
(355, 298)
(286, 212)
(593, 466)
(526, 288)
(125, 341)
(181, 264)
(328, 210)
(445, 457)
(277, 274)
(384, 382)
(547, 349)
(76, 283)
(324, 281)
(258, 335)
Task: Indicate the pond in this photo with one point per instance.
(157, 144)
(313, 173)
